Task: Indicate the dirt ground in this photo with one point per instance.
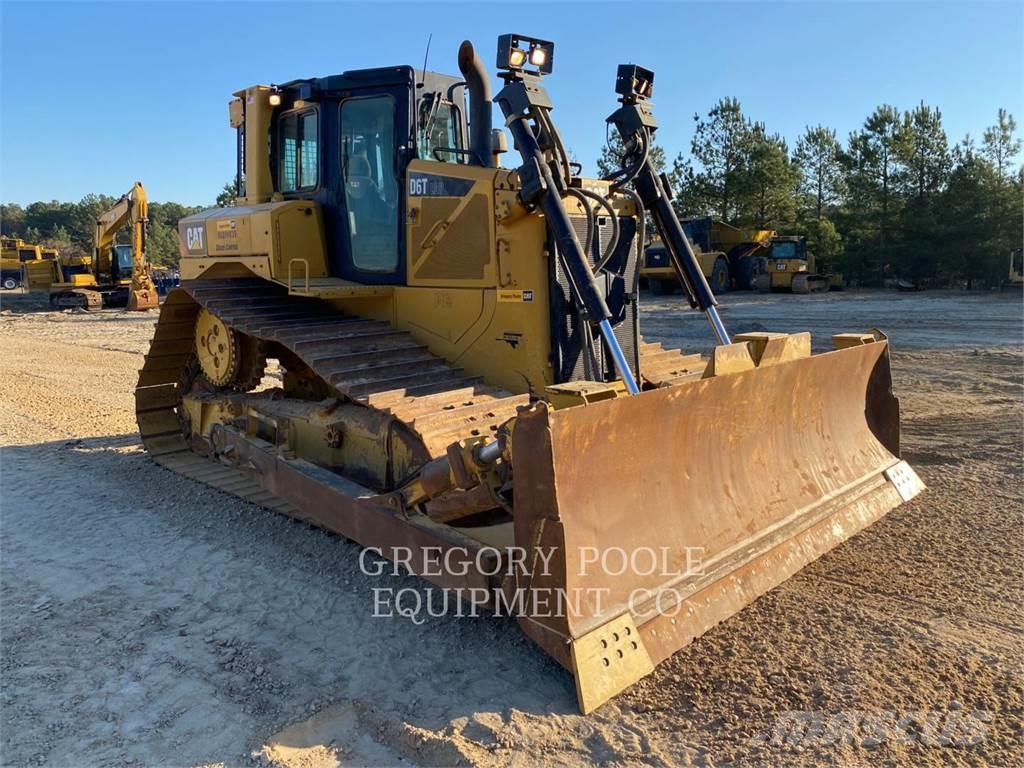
(150, 620)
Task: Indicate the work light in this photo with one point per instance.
(633, 80)
(516, 51)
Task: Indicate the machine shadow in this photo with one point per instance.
(322, 618)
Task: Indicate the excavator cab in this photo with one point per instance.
(121, 263)
(464, 385)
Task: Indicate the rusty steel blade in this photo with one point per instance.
(682, 505)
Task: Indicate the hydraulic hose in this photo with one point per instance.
(613, 217)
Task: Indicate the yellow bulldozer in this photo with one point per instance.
(465, 387)
(787, 265)
(15, 253)
(117, 275)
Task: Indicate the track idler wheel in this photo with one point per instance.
(228, 358)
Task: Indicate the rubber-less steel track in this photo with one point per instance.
(365, 361)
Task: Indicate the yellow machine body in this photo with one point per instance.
(477, 293)
(15, 255)
(434, 410)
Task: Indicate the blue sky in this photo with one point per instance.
(95, 95)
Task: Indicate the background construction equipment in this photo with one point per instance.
(118, 274)
(733, 258)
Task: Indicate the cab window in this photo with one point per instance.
(371, 186)
(297, 151)
(123, 255)
(439, 130)
(784, 250)
(26, 254)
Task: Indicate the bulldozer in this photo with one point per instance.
(788, 266)
(464, 387)
(15, 253)
(117, 275)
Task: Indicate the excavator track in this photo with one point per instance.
(364, 361)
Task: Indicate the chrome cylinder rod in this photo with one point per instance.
(711, 313)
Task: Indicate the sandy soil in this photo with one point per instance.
(149, 620)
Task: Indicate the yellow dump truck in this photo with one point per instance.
(729, 256)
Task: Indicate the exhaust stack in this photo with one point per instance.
(479, 103)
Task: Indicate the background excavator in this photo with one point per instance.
(118, 274)
(465, 388)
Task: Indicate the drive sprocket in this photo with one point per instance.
(228, 358)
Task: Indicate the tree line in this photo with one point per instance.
(895, 199)
(71, 227)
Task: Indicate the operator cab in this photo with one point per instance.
(345, 141)
(121, 263)
(788, 247)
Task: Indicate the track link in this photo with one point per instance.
(365, 361)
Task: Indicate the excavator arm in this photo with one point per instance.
(133, 209)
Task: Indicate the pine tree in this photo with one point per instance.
(999, 144)
(766, 195)
(817, 155)
(875, 178)
(610, 160)
(721, 145)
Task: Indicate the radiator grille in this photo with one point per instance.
(462, 250)
(621, 295)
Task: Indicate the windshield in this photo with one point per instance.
(123, 254)
(439, 130)
(783, 250)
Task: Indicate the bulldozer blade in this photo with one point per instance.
(656, 517)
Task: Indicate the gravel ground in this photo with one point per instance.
(149, 620)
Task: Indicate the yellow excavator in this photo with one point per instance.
(465, 387)
(118, 274)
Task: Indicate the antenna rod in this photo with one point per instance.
(426, 55)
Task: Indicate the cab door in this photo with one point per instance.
(369, 240)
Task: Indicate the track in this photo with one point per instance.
(364, 361)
